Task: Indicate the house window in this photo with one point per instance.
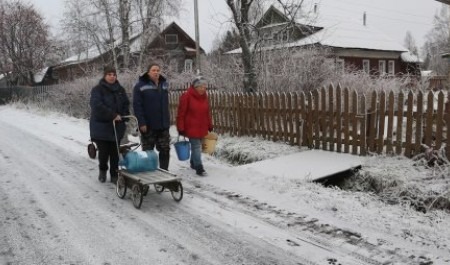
(171, 38)
(188, 63)
(382, 67)
(173, 65)
(366, 66)
(283, 36)
(391, 67)
(340, 65)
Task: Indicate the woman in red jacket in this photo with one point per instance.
(194, 120)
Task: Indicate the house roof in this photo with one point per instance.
(408, 57)
(347, 33)
(135, 46)
(40, 74)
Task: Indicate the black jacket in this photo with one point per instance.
(151, 103)
(108, 100)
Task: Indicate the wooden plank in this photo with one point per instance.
(429, 119)
(265, 124)
(371, 122)
(339, 119)
(354, 122)
(389, 133)
(301, 117)
(439, 120)
(399, 138)
(409, 125)
(292, 122)
(316, 119)
(277, 118)
(324, 118)
(271, 120)
(284, 117)
(346, 121)
(419, 123)
(363, 122)
(381, 122)
(309, 122)
(151, 177)
(331, 118)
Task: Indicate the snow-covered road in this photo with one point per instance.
(54, 211)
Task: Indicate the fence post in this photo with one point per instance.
(447, 115)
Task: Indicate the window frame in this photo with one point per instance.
(340, 65)
(171, 35)
(189, 62)
(391, 70)
(364, 62)
(382, 67)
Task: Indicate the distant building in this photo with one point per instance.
(172, 46)
(352, 44)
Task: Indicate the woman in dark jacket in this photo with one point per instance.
(194, 120)
(109, 102)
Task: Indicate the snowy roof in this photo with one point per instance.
(348, 33)
(408, 57)
(39, 75)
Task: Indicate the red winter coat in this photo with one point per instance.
(194, 118)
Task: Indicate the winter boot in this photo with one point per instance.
(192, 164)
(102, 176)
(200, 171)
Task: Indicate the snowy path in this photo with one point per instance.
(54, 211)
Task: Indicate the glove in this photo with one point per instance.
(181, 133)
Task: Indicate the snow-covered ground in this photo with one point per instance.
(54, 211)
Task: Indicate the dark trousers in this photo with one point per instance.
(161, 140)
(108, 151)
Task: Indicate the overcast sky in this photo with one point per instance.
(394, 17)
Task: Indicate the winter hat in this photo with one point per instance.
(199, 81)
(108, 70)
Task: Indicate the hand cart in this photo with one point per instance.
(140, 182)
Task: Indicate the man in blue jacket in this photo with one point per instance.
(151, 108)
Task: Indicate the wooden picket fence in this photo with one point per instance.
(335, 119)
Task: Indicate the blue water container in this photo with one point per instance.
(141, 161)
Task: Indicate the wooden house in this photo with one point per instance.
(352, 45)
(173, 47)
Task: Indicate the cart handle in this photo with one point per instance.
(115, 131)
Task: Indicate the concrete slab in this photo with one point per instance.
(312, 165)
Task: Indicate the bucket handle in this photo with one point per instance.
(178, 138)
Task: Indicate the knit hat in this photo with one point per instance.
(199, 81)
(108, 70)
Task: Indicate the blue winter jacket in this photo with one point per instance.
(151, 103)
(108, 100)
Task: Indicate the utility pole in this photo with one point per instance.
(197, 38)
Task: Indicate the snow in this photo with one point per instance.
(54, 211)
(343, 33)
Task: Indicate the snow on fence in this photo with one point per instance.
(335, 119)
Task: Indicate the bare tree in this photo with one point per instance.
(438, 42)
(410, 43)
(23, 41)
(240, 11)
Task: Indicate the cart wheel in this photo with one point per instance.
(177, 194)
(121, 187)
(137, 196)
(158, 188)
(145, 189)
